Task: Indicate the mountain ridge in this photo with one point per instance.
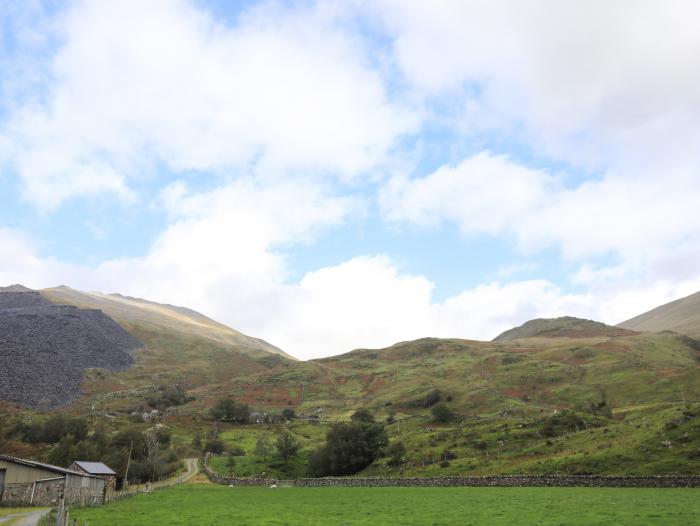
(681, 315)
(564, 326)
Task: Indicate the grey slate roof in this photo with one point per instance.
(95, 468)
(41, 465)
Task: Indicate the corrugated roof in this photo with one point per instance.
(95, 468)
(41, 465)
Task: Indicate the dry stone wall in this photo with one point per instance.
(573, 481)
(235, 481)
(507, 481)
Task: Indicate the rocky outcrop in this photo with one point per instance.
(44, 348)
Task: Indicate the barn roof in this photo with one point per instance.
(95, 468)
(41, 465)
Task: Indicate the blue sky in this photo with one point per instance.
(332, 175)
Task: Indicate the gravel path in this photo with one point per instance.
(28, 519)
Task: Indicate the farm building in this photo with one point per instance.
(98, 469)
(30, 483)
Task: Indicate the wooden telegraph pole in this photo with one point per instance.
(128, 461)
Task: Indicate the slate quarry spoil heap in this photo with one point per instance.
(44, 348)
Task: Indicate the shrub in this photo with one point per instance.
(429, 400)
(287, 446)
(236, 451)
(215, 446)
(230, 410)
(396, 452)
(350, 447)
(442, 414)
(362, 415)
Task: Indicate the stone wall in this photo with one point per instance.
(507, 481)
(235, 481)
(84, 496)
(46, 493)
(672, 481)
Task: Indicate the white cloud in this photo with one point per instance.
(483, 194)
(635, 220)
(273, 107)
(205, 262)
(134, 84)
(591, 82)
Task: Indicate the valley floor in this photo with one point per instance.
(206, 504)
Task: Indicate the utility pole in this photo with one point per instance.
(128, 461)
(155, 462)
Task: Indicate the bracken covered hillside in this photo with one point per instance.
(564, 327)
(44, 348)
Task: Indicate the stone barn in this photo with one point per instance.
(29, 483)
(98, 469)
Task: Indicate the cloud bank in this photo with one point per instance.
(562, 128)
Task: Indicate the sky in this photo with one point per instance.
(349, 174)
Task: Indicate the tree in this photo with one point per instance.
(262, 446)
(231, 464)
(442, 414)
(287, 446)
(396, 452)
(197, 441)
(362, 415)
(215, 446)
(163, 437)
(288, 413)
(350, 447)
(230, 410)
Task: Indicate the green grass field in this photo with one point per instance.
(203, 504)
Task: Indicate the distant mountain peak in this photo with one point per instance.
(15, 288)
(562, 327)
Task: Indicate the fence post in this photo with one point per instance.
(59, 511)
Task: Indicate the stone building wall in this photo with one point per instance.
(46, 493)
(84, 496)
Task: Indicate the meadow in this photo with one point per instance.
(208, 504)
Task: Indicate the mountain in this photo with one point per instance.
(681, 316)
(138, 314)
(564, 327)
(61, 346)
(563, 395)
(44, 348)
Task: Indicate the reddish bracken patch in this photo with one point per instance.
(671, 372)
(513, 393)
(269, 395)
(612, 347)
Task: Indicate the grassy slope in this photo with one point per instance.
(535, 374)
(216, 505)
(512, 387)
(565, 326)
(681, 316)
(135, 312)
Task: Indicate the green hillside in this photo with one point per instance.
(565, 326)
(565, 395)
(681, 316)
